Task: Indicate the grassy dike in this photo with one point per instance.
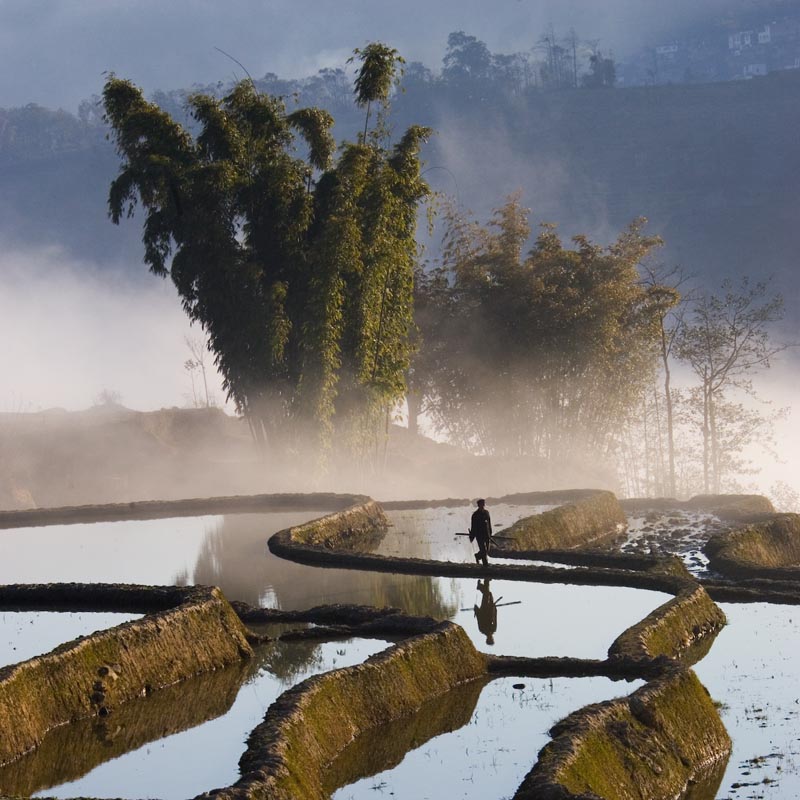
(591, 518)
(91, 675)
(674, 629)
(310, 725)
(769, 550)
(649, 746)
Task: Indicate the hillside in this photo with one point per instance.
(712, 166)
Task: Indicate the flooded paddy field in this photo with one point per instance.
(752, 672)
(25, 634)
(230, 552)
(749, 669)
(490, 754)
(180, 741)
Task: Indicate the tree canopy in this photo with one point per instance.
(537, 353)
(298, 267)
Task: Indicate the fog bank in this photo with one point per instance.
(71, 333)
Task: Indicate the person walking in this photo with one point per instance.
(480, 530)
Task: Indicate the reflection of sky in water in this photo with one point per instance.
(231, 552)
(150, 551)
(554, 619)
(24, 634)
(206, 756)
(490, 755)
(431, 532)
(752, 671)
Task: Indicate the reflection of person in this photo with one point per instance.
(486, 613)
(480, 529)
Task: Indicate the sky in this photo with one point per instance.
(55, 52)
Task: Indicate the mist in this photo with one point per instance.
(73, 335)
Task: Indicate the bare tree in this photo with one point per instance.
(726, 341)
(198, 347)
(673, 306)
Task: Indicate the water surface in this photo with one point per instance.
(178, 742)
(493, 749)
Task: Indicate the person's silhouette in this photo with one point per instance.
(480, 529)
(486, 613)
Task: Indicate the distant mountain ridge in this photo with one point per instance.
(713, 166)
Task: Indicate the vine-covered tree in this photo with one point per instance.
(299, 269)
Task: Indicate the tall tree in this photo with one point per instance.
(298, 269)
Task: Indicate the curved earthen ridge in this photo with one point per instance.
(155, 509)
(651, 744)
(592, 519)
(673, 630)
(768, 550)
(186, 632)
(312, 723)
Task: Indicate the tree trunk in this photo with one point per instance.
(668, 399)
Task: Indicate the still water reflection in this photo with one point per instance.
(752, 672)
(180, 741)
(489, 751)
(230, 552)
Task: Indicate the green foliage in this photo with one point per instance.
(303, 286)
(539, 354)
(381, 68)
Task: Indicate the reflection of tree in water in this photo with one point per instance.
(234, 556)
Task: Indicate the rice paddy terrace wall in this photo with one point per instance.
(311, 724)
(769, 550)
(194, 631)
(653, 742)
(590, 518)
(649, 746)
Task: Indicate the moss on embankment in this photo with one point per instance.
(769, 550)
(71, 751)
(91, 675)
(592, 518)
(648, 746)
(673, 629)
(311, 724)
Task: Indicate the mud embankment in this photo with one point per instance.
(767, 550)
(312, 724)
(652, 744)
(158, 509)
(594, 518)
(91, 675)
(675, 629)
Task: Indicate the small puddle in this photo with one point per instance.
(472, 743)
(751, 671)
(180, 741)
(25, 634)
